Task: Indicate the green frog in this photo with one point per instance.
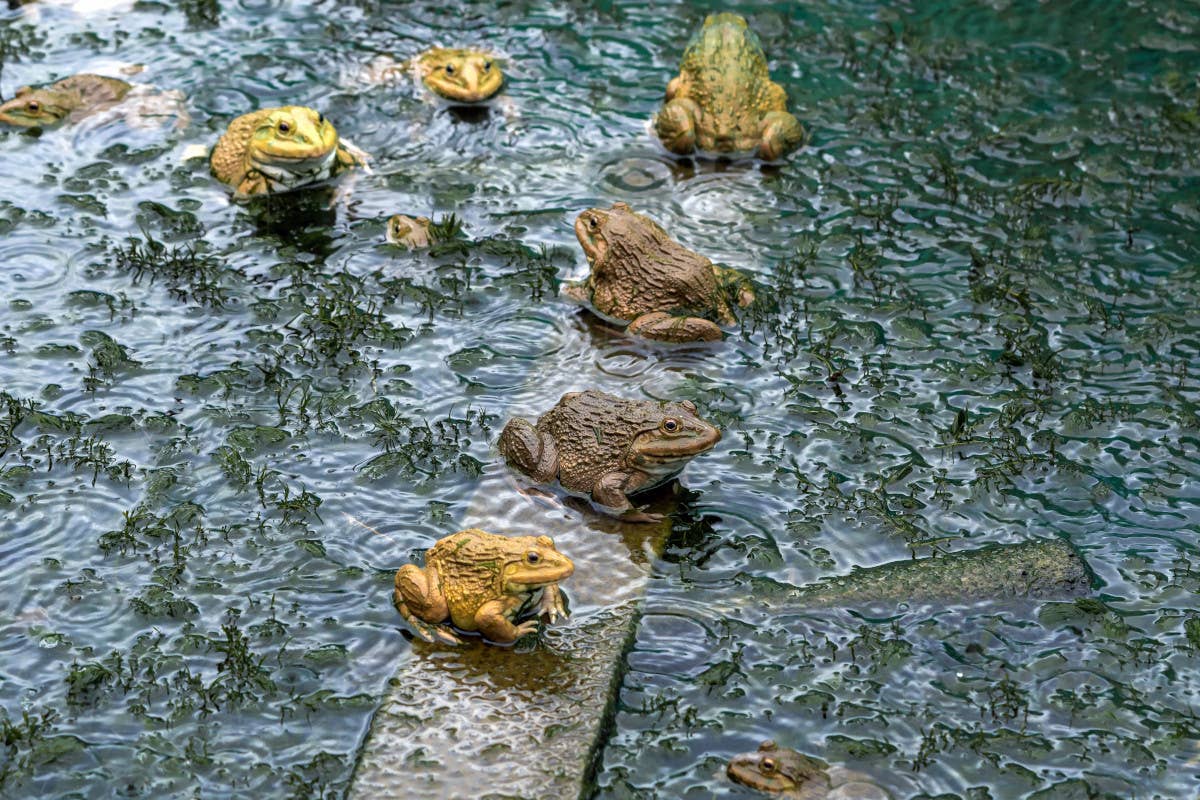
(67, 100)
(608, 447)
(279, 149)
(723, 101)
(787, 773)
(483, 582)
(646, 280)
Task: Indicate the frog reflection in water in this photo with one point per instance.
(723, 101)
(786, 773)
(483, 582)
(65, 100)
(608, 447)
(279, 149)
(642, 277)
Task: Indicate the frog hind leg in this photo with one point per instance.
(529, 451)
(676, 125)
(610, 492)
(418, 597)
(662, 327)
(781, 133)
(492, 621)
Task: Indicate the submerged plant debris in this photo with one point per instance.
(223, 427)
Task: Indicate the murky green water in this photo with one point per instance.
(223, 428)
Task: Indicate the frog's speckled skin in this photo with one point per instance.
(483, 582)
(65, 100)
(608, 447)
(723, 101)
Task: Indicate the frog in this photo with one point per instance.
(651, 284)
(411, 233)
(483, 583)
(279, 149)
(787, 773)
(67, 100)
(458, 75)
(723, 100)
(607, 447)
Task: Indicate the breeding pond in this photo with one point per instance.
(224, 426)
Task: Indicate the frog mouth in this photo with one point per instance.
(668, 451)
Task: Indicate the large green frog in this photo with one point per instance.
(608, 447)
(646, 280)
(62, 101)
(723, 101)
(787, 773)
(279, 149)
(483, 582)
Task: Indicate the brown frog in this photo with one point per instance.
(788, 773)
(483, 582)
(608, 447)
(646, 280)
(63, 101)
(723, 101)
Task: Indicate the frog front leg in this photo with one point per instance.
(419, 599)
(255, 183)
(781, 133)
(492, 620)
(611, 492)
(551, 605)
(661, 326)
(532, 452)
(676, 125)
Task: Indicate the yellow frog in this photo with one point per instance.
(483, 582)
(279, 149)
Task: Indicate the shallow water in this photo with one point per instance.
(223, 428)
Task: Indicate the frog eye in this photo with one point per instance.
(533, 557)
(320, 119)
(449, 69)
(33, 106)
(768, 765)
(593, 223)
(284, 127)
(487, 65)
(670, 425)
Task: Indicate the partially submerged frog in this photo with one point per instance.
(459, 75)
(279, 149)
(643, 278)
(608, 447)
(787, 773)
(723, 101)
(483, 582)
(67, 100)
(411, 233)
